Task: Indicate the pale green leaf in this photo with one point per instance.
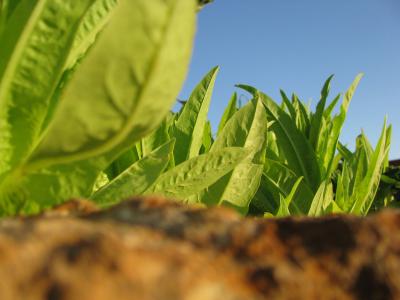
(88, 135)
(246, 128)
(137, 178)
(284, 202)
(155, 139)
(188, 129)
(296, 148)
(316, 122)
(323, 198)
(125, 85)
(207, 138)
(366, 190)
(34, 48)
(196, 174)
(230, 110)
(337, 124)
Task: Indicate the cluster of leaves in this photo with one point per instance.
(72, 100)
(84, 114)
(292, 161)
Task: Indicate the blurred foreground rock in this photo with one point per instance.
(157, 249)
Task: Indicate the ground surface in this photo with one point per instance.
(156, 249)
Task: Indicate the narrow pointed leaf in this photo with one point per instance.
(230, 110)
(316, 121)
(188, 129)
(207, 138)
(365, 193)
(337, 124)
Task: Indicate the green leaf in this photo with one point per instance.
(345, 152)
(114, 100)
(366, 190)
(247, 128)
(264, 200)
(280, 179)
(337, 123)
(328, 111)
(302, 116)
(87, 136)
(296, 148)
(189, 127)
(31, 192)
(34, 48)
(283, 210)
(92, 24)
(155, 139)
(230, 110)
(207, 138)
(123, 162)
(137, 178)
(288, 104)
(342, 197)
(316, 122)
(7, 8)
(388, 142)
(323, 198)
(196, 174)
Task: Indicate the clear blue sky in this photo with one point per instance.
(295, 45)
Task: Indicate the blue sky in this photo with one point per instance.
(295, 45)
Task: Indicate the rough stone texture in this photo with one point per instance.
(157, 249)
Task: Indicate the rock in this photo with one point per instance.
(153, 248)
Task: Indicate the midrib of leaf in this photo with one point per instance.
(119, 137)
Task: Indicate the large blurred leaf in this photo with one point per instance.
(127, 83)
(92, 24)
(34, 48)
(122, 90)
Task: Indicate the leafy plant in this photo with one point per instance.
(85, 91)
(305, 144)
(294, 164)
(200, 169)
(72, 100)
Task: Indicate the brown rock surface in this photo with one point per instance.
(157, 249)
